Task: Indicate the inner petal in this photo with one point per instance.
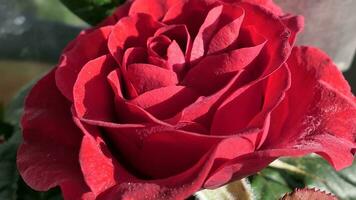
(219, 30)
(214, 71)
(157, 46)
(146, 77)
(147, 149)
(238, 110)
(178, 33)
(92, 80)
(229, 32)
(132, 31)
(165, 102)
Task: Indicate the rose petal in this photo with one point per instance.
(129, 113)
(48, 156)
(100, 168)
(97, 164)
(267, 4)
(321, 110)
(157, 46)
(237, 168)
(129, 32)
(220, 29)
(150, 147)
(277, 48)
(131, 56)
(91, 81)
(176, 58)
(125, 111)
(249, 106)
(176, 187)
(145, 77)
(182, 185)
(167, 101)
(195, 12)
(179, 186)
(115, 80)
(155, 8)
(206, 31)
(277, 85)
(214, 71)
(248, 37)
(295, 25)
(204, 108)
(73, 190)
(248, 164)
(154, 158)
(229, 32)
(161, 147)
(178, 33)
(235, 113)
(86, 47)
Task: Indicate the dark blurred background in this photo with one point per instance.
(33, 33)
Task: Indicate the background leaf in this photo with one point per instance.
(6, 129)
(8, 171)
(273, 183)
(92, 11)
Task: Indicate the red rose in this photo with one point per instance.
(168, 97)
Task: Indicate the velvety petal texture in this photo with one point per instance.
(323, 107)
(168, 97)
(52, 139)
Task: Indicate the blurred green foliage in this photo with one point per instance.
(54, 10)
(272, 183)
(92, 11)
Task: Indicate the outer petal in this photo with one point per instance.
(74, 190)
(215, 71)
(155, 8)
(151, 150)
(88, 46)
(267, 4)
(278, 47)
(319, 112)
(100, 168)
(93, 97)
(178, 187)
(220, 29)
(192, 13)
(249, 106)
(295, 24)
(191, 180)
(48, 156)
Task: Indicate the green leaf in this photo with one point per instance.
(12, 187)
(55, 11)
(310, 171)
(269, 184)
(92, 11)
(6, 129)
(323, 176)
(24, 192)
(8, 172)
(13, 112)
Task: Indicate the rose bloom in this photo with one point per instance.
(167, 97)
